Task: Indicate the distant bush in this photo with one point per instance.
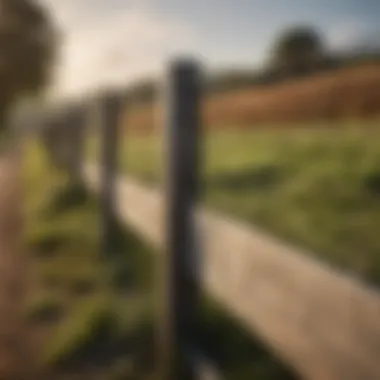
(46, 246)
(83, 287)
(297, 51)
(46, 309)
(69, 197)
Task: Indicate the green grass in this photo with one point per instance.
(73, 288)
(97, 330)
(317, 188)
(44, 308)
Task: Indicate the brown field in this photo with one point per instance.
(345, 94)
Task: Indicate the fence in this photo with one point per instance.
(324, 324)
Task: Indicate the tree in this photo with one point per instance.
(298, 50)
(28, 43)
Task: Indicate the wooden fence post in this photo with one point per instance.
(64, 138)
(77, 134)
(110, 120)
(178, 326)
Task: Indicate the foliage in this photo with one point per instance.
(44, 309)
(28, 42)
(298, 50)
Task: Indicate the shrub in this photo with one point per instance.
(45, 309)
(87, 327)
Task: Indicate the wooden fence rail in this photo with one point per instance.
(326, 325)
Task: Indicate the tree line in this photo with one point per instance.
(296, 52)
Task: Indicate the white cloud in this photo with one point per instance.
(104, 44)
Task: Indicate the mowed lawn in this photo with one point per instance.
(318, 188)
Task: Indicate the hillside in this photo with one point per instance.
(348, 93)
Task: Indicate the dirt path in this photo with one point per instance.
(14, 351)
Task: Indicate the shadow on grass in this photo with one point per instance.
(234, 351)
(46, 311)
(68, 197)
(104, 348)
(236, 355)
(46, 246)
(371, 183)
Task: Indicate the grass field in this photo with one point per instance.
(317, 188)
(93, 315)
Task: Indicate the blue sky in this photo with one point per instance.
(117, 41)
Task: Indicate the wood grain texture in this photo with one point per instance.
(323, 323)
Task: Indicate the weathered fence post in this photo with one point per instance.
(48, 138)
(52, 138)
(63, 136)
(178, 328)
(110, 120)
(77, 144)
